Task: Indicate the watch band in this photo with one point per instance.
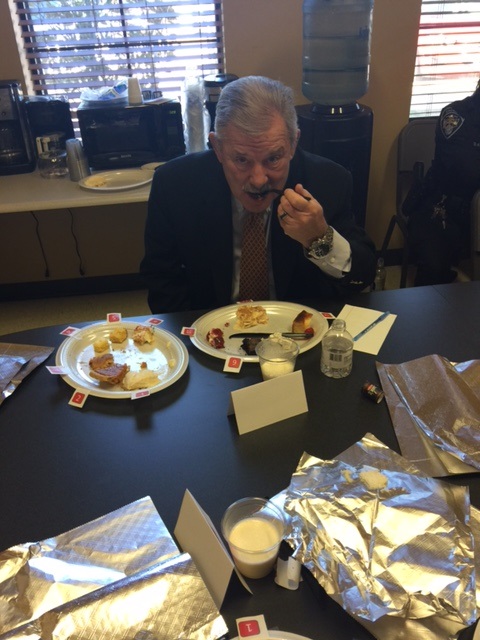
(321, 247)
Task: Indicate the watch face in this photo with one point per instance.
(320, 247)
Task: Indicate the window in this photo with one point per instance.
(448, 55)
(71, 45)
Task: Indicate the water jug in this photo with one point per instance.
(336, 50)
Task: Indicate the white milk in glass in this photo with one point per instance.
(254, 544)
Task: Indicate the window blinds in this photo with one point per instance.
(71, 45)
(448, 55)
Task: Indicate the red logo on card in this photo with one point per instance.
(234, 362)
(68, 331)
(188, 331)
(155, 321)
(248, 628)
(114, 317)
(78, 397)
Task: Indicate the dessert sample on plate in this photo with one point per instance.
(105, 369)
(250, 316)
(143, 334)
(118, 335)
(302, 322)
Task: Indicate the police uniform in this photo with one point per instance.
(439, 221)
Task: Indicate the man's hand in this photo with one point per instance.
(301, 216)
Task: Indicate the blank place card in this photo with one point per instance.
(268, 402)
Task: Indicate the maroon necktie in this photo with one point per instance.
(254, 263)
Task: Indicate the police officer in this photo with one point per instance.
(439, 212)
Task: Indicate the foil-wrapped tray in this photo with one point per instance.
(120, 576)
(16, 362)
(393, 547)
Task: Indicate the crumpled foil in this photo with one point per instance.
(16, 362)
(121, 576)
(402, 550)
(435, 410)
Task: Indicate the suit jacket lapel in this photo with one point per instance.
(218, 237)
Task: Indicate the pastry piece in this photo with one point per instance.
(301, 323)
(373, 479)
(215, 338)
(142, 379)
(100, 345)
(143, 334)
(118, 335)
(104, 369)
(250, 316)
(101, 362)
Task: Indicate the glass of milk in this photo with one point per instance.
(277, 355)
(253, 528)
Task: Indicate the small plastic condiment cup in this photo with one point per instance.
(253, 529)
(277, 356)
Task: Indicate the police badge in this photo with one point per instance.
(450, 122)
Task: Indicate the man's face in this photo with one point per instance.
(253, 164)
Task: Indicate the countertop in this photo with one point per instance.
(31, 192)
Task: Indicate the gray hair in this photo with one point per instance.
(249, 104)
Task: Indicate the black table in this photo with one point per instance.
(61, 466)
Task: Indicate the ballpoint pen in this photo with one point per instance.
(371, 325)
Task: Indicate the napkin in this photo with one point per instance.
(358, 318)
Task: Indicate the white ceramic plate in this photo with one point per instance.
(279, 635)
(116, 180)
(280, 318)
(166, 354)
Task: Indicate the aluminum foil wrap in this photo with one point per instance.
(435, 410)
(384, 540)
(16, 362)
(120, 576)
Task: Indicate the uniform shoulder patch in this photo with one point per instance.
(450, 122)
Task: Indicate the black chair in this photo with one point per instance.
(416, 148)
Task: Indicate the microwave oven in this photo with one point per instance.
(116, 137)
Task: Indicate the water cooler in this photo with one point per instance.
(336, 59)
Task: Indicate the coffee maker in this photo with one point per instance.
(48, 117)
(16, 149)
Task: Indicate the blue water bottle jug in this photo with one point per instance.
(336, 50)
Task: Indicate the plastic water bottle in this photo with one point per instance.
(337, 351)
(336, 50)
(380, 276)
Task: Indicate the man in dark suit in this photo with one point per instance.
(198, 204)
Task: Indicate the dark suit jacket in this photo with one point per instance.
(188, 261)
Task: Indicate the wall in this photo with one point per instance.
(265, 37)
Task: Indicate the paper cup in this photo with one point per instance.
(253, 529)
(277, 356)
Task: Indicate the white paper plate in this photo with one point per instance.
(279, 635)
(116, 180)
(280, 318)
(166, 354)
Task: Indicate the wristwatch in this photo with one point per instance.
(320, 247)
